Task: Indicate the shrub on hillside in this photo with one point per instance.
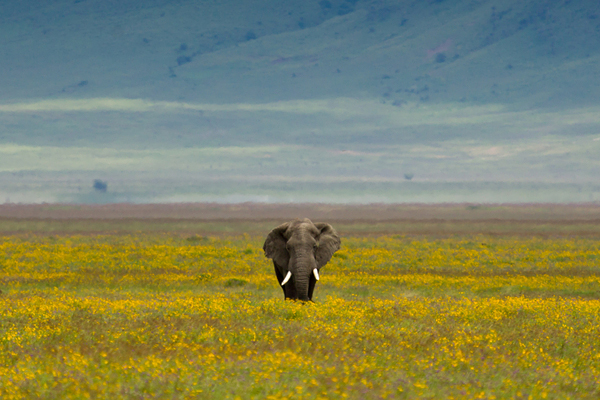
(100, 186)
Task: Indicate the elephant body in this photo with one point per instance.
(299, 249)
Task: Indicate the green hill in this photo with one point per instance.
(149, 92)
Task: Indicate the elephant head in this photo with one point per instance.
(299, 249)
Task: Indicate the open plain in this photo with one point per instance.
(455, 301)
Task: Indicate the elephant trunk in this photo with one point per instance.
(304, 269)
(302, 288)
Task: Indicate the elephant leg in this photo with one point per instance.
(290, 289)
(280, 279)
(311, 286)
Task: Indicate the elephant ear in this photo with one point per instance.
(329, 243)
(274, 246)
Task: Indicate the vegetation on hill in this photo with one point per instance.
(479, 91)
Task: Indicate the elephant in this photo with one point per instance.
(299, 249)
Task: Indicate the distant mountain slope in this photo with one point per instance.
(534, 53)
(297, 100)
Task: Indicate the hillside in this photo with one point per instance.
(536, 53)
(461, 91)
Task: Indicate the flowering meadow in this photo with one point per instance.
(160, 315)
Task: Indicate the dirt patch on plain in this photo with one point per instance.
(257, 219)
(257, 212)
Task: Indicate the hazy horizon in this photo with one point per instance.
(327, 101)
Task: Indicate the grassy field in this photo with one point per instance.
(155, 311)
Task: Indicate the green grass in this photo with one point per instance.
(195, 231)
(160, 313)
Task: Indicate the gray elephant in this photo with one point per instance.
(299, 249)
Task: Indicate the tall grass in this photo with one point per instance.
(161, 316)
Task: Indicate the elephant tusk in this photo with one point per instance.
(316, 273)
(287, 278)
